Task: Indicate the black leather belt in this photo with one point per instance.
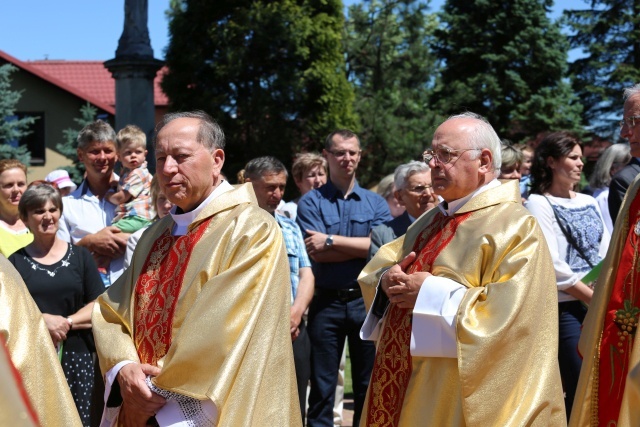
(343, 295)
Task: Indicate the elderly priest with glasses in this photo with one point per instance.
(464, 307)
(629, 130)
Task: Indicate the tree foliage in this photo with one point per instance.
(508, 62)
(392, 67)
(609, 36)
(69, 146)
(271, 72)
(12, 129)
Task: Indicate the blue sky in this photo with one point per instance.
(90, 29)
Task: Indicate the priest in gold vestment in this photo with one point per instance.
(32, 354)
(464, 306)
(196, 331)
(609, 387)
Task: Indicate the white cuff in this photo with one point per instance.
(183, 411)
(172, 415)
(433, 331)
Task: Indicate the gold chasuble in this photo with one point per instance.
(15, 405)
(212, 310)
(608, 391)
(506, 372)
(33, 356)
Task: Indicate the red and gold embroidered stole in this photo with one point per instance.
(392, 366)
(620, 324)
(157, 290)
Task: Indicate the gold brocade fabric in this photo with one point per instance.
(32, 353)
(15, 407)
(230, 332)
(583, 411)
(393, 362)
(506, 373)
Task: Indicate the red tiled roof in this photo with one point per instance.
(109, 108)
(88, 80)
(92, 77)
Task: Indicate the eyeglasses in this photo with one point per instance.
(443, 155)
(342, 153)
(419, 189)
(629, 121)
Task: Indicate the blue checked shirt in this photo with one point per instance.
(296, 251)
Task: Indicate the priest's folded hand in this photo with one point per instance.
(392, 276)
(405, 293)
(139, 403)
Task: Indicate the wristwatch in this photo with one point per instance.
(329, 241)
(70, 320)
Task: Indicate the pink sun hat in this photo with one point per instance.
(61, 178)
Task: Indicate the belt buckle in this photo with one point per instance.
(343, 295)
(346, 295)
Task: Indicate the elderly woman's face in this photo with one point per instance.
(13, 182)
(44, 219)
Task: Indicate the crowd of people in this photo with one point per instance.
(460, 287)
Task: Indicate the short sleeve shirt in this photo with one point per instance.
(84, 213)
(138, 183)
(296, 251)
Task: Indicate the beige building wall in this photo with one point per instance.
(55, 161)
(60, 108)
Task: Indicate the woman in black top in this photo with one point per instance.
(64, 282)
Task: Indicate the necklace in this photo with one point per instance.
(63, 263)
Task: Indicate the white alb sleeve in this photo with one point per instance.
(433, 331)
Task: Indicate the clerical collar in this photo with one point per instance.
(183, 220)
(452, 207)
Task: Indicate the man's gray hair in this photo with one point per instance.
(406, 170)
(98, 131)
(260, 166)
(630, 91)
(483, 136)
(210, 134)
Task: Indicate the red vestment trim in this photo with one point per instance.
(620, 323)
(392, 366)
(157, 290)
(19, 384)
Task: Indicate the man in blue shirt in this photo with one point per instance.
(337, 219)
(269, 178)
